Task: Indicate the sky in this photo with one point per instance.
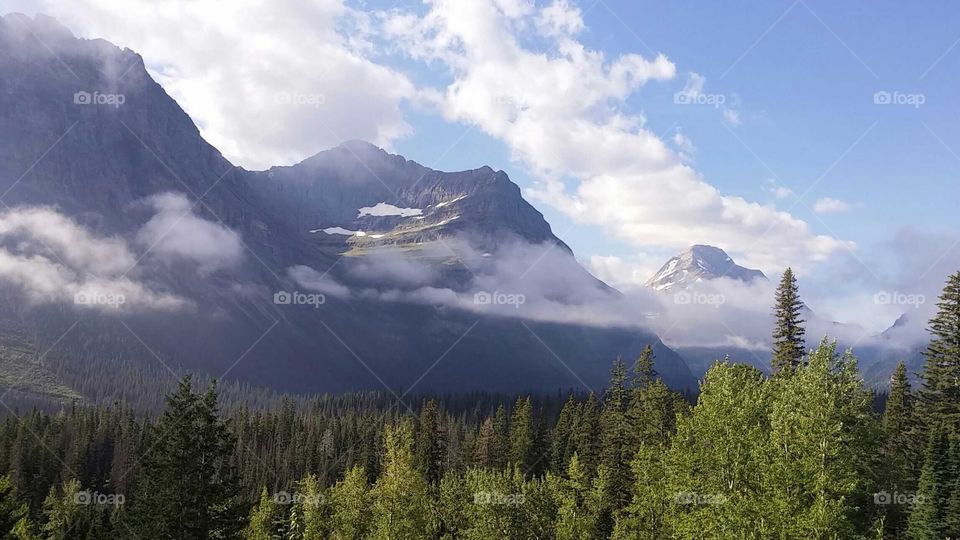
(813, 134)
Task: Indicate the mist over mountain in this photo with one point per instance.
(127, 239)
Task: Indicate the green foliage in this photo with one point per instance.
(940, 395)
(350, 502)
(401, 507)
(260, 526)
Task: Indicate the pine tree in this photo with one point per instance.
(430, 445)
(189, 489)
(788, 342)
(561, 446)
(651, 412)
(899, 456)
(522, 435)
(501, 438)
(65, 519)
(617, 446)
(485, 449)
(928, 518)
(940, 395)
(13, 511)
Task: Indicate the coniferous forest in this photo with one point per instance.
(808, 452)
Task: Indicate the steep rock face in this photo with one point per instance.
(405, 202)
(700, 263)
(65, 145)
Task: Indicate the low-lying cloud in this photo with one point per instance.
(52, 259)
(175, 232)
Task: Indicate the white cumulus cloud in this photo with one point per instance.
(563, 112)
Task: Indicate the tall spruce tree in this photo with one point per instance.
(788, 334)
(940, 395)
(900, 458)
(928, 517)
(522, 435)
(617, 447)
(189, 489)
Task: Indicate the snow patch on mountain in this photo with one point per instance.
(384, 209)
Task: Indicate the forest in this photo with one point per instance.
(806, 452)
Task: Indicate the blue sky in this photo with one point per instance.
(806, 90)
(798, 81)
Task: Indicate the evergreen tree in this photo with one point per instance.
(928, 517)
(788, 342)
(522, 435)
(66, 520)
(940, 395)
(617, 447)
(652, 413)
(501, 438)
(899, 457)
(13, 511)
(430, 447)
(485, 448)
(189, 489)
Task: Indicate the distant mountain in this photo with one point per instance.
(700, 263)
(398, 250)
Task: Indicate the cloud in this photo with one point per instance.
(175, 232)
(268, 83)
(829, 205)
(564, 113)
(624, 274)
(311, 279)
(50, 258)
(732, 116)
(776, 189)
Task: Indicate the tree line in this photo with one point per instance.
(801, 453)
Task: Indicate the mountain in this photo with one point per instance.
(131, 249)
(700, 263)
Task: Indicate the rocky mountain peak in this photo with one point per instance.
(699, 263)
